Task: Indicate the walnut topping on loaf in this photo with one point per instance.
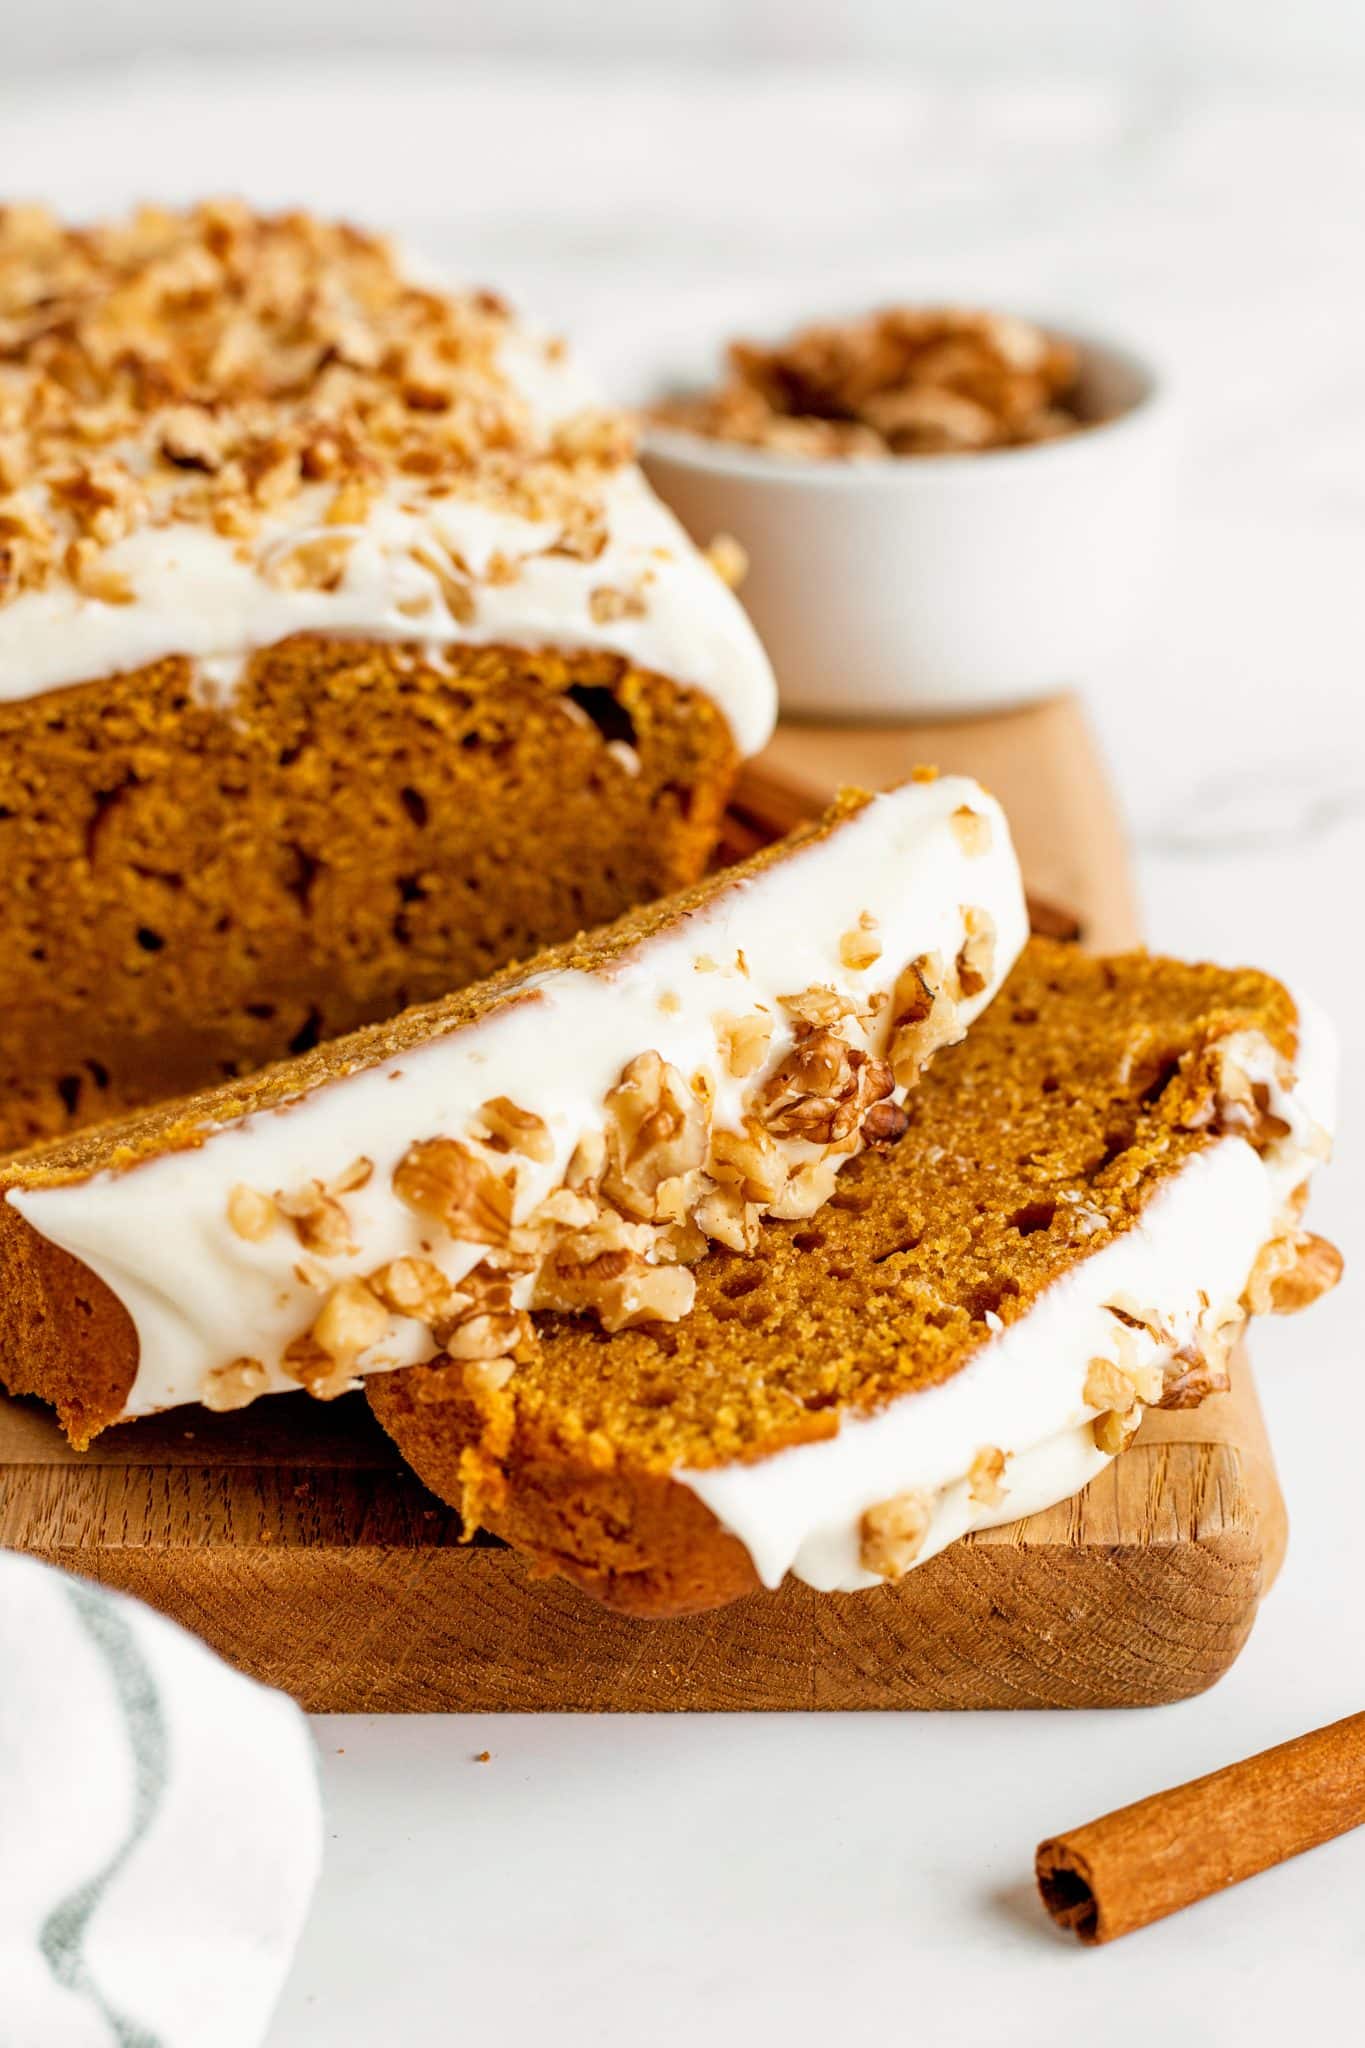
(211, 366)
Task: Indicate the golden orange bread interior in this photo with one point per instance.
(191, 892)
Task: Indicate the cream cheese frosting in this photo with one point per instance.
(194, 595)
(1182, 1268)
(417, 468)
(910, 877)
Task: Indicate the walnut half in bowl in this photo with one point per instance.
(942, 511)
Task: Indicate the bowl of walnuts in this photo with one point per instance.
(943, 510)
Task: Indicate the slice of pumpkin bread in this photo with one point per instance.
(1090, 1194)
(571, 1135)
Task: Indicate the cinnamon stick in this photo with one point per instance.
(1137, 1865)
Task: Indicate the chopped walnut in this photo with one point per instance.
(357, 1175)
(1200, 1366)
(1107, 1386)
(94, 576)
(235, 1385)
(976, 956)
(818, 1008)
(809, 1188)
(443, 1179)
(317, 562)
(587, 1161)
(417, 1288)
(893, 1533)
(973, 830)
(822, 1090)
(607, 605)
(727, 1216)
(352, 504)
(250, 1214)
(488, 1375)
(518, 1130)
(985, 1476)
(750, 1160)
(1223, 1085)
(349, 1322)
(886, 1123)
(1114, 1431)
(1292, 1272)
(861, 948)
(620, 1286)
(487, 1334)
(923, 1019)
(656, 1131)
(729, 559)
(596, 436)
(744, 1042)
(566, 1207)
(319, 1220)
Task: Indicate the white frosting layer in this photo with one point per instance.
(195, 595)
(201, 1296)
(801, 1510)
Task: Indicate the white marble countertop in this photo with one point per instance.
(626, 1881)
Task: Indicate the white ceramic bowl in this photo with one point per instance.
(930, 583)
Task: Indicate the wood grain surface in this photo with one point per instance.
(295, 1542)
(292, 1538)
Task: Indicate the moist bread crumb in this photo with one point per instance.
(190, 893)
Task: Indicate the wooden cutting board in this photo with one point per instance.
(291, 1537)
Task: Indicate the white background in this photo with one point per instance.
(850, 1878)
(1144, 41)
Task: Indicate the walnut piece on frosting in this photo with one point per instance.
(251, 1215)
(517, 1130)
(1115, 1429)
(350, 1321)
(976, 957)
(744, 1042)
(923, 1018)
(861, 948)
(972, 830)
(443, 1179)
(985, 1476)
(893, 1533)
(656, 1132)
(319, 1219)
(234, 1385)
(823, 1089)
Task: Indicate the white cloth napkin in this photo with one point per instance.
(160, 1827)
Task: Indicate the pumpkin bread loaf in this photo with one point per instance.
(1090, 1194)
(571, 1135)
(344, 654)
